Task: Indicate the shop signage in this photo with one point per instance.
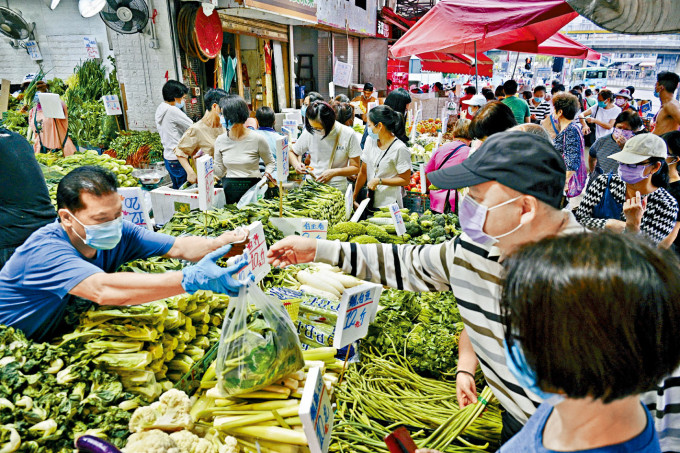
(91, 47)
(301, 9)
(342, 74)
(33, 50)
(316, 412)
(398, 219)
(134, 206)
(358, 307)
(313, 229)
(205, 175)
(384, 30)
(112, 105)
(257, 253)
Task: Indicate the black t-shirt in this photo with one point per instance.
(24, 200)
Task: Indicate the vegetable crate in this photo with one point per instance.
(192, 380)
(291, 300)
(416, 202)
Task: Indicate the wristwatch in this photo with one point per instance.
(380, 181)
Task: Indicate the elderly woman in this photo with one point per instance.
(239, 150)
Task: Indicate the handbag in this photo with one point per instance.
(608, 207)
(447, 206)
(578, 180)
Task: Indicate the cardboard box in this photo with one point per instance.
(166, 202)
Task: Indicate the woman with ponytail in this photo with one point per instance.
(386, 160)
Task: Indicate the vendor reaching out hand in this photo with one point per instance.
(79, 254)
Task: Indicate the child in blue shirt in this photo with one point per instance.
(591, 322)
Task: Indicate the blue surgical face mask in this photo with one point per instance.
(303, 111)
(518, 366)
(36, 99)
(180, 105)
(103, 236)
(373, 135)
(602, 104)
(656, 94)
(472, 217)
(539, 100)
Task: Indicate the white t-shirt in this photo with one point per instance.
(604, 115)
(241, 158)
(321, 150)
(396, 160)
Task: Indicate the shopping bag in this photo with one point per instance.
(259, 344)
(254, 194)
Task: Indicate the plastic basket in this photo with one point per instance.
(416, 202)
(293, 308)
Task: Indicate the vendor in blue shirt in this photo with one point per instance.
(79, 254)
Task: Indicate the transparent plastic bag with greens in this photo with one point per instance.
(259, 344)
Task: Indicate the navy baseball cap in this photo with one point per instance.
(522, 161)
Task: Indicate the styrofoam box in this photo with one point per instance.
(166, 202)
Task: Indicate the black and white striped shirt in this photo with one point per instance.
(541, 110)
(472, 272)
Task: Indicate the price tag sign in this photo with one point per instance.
(134, 206)
(282, 166)
(358, 307)
(112, 105)
(257, 253)
(51, 105)
(205, 174)
(33, 50)
(349, 201)
(398, 219)
(342, 74)
(313, 229)
(290, 128)
(360, 210)
(316, 412)
(423, 180)
(91, 47)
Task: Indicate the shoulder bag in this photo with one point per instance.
(608, 207)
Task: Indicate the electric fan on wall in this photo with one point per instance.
(125, 16)
(13, 25)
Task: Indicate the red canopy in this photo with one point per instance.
(557, 45)
(453, 26)
(485, 65)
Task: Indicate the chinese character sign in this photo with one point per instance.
(358, 307)
(205, 175)
(314, 229)
(134, 206)
(257, 253)
(112, 105)
(398, 219)
(282, 166)
(33, 50)
(316, 412)
(342, 75)
(91, 47)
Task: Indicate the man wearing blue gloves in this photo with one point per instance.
(79, 254)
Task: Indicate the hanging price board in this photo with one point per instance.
(313, 229)
(134, 206)
(112, 105)
(282, 166)
(316, 412)
(349, 201)
(91, 47)
(358, 307)
(257, 253)
(205, 175)
(398, 219)
(33, 50)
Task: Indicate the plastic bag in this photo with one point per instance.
(259, 344)
(254, 194)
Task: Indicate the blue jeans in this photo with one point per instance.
(177, 173)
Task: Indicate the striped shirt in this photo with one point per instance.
(472, 272)
(541, 110)
(664, 404)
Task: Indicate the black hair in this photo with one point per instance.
(668, 80)
(578, 88)
(577, 93)
(265, 116)
(661, 178)
(672, 140)
(341, 98)
(471, 90)
(555, 82)
(486, 90)
(491, 118)
(96, 181)
(631, 88)
(368, 86)
(500, 91)
(567, 103)
(489, 96)
(539, 88)
(596, 314)
(213, 97)
(606, 94)
(398, 100)
(322, 112)
(314, 96)
(630, 117)
(526, 94)
(234, 109)
(510, 87)
(439, 86)
(588, 92)
(343, 112)
(174, 90)
(393, 121)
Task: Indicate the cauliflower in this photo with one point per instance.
(351, 228)
(153, 441)
(188, 442)
(169, 413)
(230, 445)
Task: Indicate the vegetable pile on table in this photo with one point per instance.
(430, 126)
(422, 148)
(138, 148)
(49, 395)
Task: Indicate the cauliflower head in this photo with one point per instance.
(152, 441)
(188, 442)
(230, 445)
(169, 413)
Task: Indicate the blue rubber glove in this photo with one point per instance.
(207, 275)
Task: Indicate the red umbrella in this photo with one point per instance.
(475, 26)
(558, 45)
(484, 63)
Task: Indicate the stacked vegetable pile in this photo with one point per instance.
(311, 200)
(383, 392)
(151, 346)
(422, 148)
(137, 148)
(49, 395)
(15, 121)
(431, 126)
